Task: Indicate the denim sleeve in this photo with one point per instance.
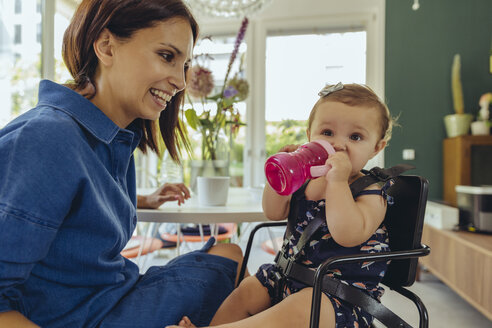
(35, 195)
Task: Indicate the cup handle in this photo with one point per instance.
(318, 170)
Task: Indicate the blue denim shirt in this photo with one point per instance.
(67, 209)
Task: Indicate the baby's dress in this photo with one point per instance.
(321, 246)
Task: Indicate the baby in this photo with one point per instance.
(358, 125)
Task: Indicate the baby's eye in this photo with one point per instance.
(328, 133)
(356, 137)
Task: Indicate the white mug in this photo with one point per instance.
(212, 191)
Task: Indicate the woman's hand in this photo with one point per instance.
(165, 193)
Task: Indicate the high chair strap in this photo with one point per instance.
(353, 295)
(377, 174)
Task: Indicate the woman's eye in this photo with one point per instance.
(328, 133)
(167, 56)
(356, 137)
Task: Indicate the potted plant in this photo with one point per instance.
(482, 125)
(457, 124)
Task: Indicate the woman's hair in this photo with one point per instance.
(123, 18)
(359, 95)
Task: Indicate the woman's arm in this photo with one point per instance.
(14, 319)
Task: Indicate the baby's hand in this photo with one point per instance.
(339, 166)
(289, 148)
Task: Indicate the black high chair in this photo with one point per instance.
(404, 221)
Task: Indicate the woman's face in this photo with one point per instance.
(143, 73)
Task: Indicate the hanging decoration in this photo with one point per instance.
(227, 8)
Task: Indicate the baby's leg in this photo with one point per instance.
(230, 251)
(294, 312)
(250, 298)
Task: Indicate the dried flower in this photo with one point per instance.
(200, 82)
(240, 85)
(239, 39)
(484, 102)
(230, 92)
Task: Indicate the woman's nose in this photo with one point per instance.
(178, 79)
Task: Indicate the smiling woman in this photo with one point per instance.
(112, 47)
(70, 177)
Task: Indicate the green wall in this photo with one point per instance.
(420, 46)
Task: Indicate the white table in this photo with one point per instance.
(243, 205)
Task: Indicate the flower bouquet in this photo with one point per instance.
(220, 117)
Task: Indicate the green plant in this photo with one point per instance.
(456, 87)
(283, 133)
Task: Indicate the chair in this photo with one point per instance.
(222, 231)
(143, 245)
(404, 221)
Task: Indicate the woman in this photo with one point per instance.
(67, 179)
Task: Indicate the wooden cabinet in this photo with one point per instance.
(463, 261)
(466, 161)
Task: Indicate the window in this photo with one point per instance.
(38, 32)
(18, 7)
(62, 19)
(20, 52)
(17, 34)
(310, 61)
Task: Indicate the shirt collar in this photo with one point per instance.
(83, 111)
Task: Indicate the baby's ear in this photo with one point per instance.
(379, 146)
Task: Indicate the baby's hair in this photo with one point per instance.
(359, 95)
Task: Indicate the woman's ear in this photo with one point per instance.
(379, 146)
(104, 47)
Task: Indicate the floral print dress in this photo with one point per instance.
(320, 247)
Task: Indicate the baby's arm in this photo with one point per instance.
(275, 206)
(351, 222)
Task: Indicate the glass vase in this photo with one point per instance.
(211, 155)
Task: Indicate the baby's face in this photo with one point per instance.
(355, 130)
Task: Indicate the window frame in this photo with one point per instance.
(372, 21)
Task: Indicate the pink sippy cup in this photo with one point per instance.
(286, 172)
